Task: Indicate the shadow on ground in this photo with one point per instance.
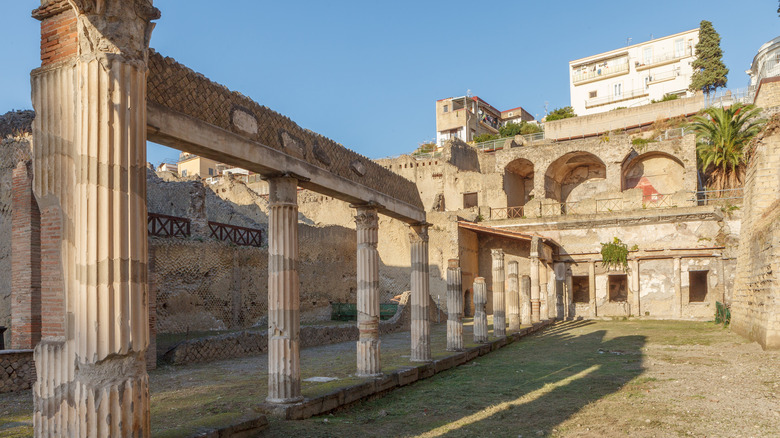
(528, 388)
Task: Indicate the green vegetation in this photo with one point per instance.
(614, 255)
(425, 148)
(709, 72)
(510, 130)
(485, 137)
(666, 98)
(560, 113)
(722, 134)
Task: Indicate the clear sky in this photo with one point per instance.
(367, 74)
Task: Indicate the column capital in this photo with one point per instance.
(497, 253)
(419, 232)
(115, 27)
(367, 218)
(453, 264)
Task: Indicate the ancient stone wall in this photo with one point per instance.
(17, 370)
(756, 305)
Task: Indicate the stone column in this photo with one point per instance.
(513, 297)
(525, 299)
(568, 291)
(421, 342)
(480, 315)
(635, 287)
(284, 359)
(108, 333)
(592, 288)
(544, 293)
(535, 308)
(499, 299)
(454, 306)
(368, 345)
(677, 308)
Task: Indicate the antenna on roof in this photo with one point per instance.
(628, 41)
(468, 92)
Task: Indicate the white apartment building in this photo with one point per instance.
(633, 75)
(766, 63)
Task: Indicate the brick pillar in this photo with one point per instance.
(52, 290)
(25, 262)
(151, 352)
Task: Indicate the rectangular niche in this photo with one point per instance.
(581, 289)
(618, 288)
(697, 289)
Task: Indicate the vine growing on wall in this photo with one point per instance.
(614, 255)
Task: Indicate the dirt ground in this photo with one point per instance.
(576, 379)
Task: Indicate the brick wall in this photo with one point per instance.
(59, 37)
(25, 261)
(52, 291)
(17, 370)
(756, 303)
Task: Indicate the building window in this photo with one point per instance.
(679, 48)
(470, 200)
(184, 172)
(697, 286)
(647, 55)
(446, 108)
(618, 288)
(593, 94)
(581, 288)
(618, 90)
(647, 82)
(211, 172)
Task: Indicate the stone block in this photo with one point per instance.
(407, 376)
(385, 383)
(460, 358)
(425, 370)
(484, 349)
(357, 392)
(443, 364)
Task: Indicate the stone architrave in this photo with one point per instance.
(499, 298)
(92, 381)
(284, 361)
(368, 345)
(525, 300)
(421, 342)
(480, 315)
(513, 296)
(454, 306)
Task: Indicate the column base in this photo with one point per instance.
(284, 401)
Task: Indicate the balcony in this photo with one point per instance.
(663, 59)
(599, 73)
(606, 100)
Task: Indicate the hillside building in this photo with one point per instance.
(633, 75)
(466, 117)
(766, 63)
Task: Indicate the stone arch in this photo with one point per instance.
(518, 182)
(574, 176)
(654, 172)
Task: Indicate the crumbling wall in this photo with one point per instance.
(15, 143)
(755, 310)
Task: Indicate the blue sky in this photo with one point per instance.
(367, 74)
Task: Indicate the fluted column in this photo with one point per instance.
(368, 345)
(525, 300)
(108, 393)
(637, 311)
(421, 337)
(284, 361)
(535, 315)
(454, 306)
(592, 288)
(513, 297)
(480, 315)
(499, 297)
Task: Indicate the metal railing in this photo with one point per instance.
(665, 57)
(723, 98)
(630, 94)
(498, 144)
(622, 204)
(600, 71)
(674, 133)
(241, 236)
(161, 225)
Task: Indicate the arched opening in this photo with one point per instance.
(575, 176)
(518, 182)
(654, 172)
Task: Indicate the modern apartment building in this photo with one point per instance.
(190, 165)
(766, 63)
(466, 117)
(633, 75)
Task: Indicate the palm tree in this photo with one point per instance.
(722, 135)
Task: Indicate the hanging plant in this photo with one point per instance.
(614, 255)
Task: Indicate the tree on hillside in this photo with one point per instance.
(560, 113)
(722, 135)
(709, 72)
(511, 129)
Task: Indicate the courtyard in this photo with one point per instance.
(577, 378)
